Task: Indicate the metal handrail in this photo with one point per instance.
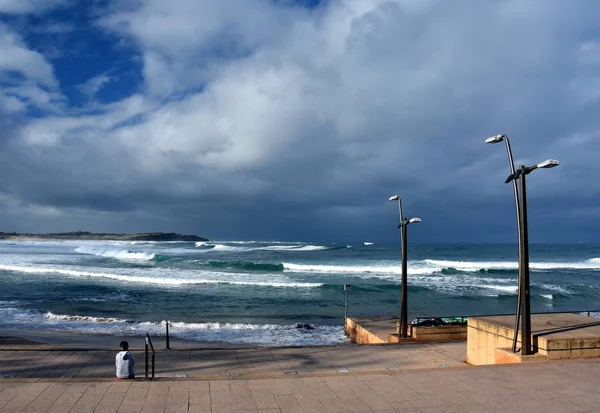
(149, 344)
(464, 317)
(167, 344)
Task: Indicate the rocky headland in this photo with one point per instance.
(85, 235)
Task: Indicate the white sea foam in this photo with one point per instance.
(221, 247)
(367, 243)
(293, 248)
(357, 269)
(593, 314)
(262, 242)
(53, 316)
(242, 333)
(160, 279)
(547, 296)
(511, 289)
(234, 248)
(118, 254)
(590, 264)
(557, 288)
(426, 277)
(431, 267)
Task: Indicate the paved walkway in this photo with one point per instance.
(244, 362)
(386, 378)
(548, 387)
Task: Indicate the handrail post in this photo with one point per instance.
(149, 344)
(146, 364)
(167, 344)
(346, 289)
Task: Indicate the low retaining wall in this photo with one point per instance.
(483, 338)
(359, 334)
(377, 335)
(441, 333)
(554, 337)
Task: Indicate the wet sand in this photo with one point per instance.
(27, 338)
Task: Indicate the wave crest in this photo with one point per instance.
(241, 333)
(154, 280)
(125, 255)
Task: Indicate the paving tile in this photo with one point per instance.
(106, 409)
(24, 397)
(265, 401)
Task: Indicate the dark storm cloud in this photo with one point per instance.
(308, 132)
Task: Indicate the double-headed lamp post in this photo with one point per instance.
(403, 327)
(511, 164)
(523, 299)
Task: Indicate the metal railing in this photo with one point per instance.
(167, 344)
(149, 346)
(462, 319)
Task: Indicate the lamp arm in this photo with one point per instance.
(400, 211)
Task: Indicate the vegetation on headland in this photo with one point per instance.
(85, 235)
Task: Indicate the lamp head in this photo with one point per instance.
(394, 198)
(414, 220)
(495, 139)
(548, 163)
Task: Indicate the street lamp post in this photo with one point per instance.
(346, 289)
(524, 287)
(403, 326)
(511, 164)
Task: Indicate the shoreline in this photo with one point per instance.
(16, 337)
(37, 338)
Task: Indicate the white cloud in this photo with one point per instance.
(27, 78)
(93, 85)
(28, 6)
(15, 56)
(184, 42)
(256, 98)
(11, 104)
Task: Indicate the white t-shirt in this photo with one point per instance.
(124, 362)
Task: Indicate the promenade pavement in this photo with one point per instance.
(388, 378)
(41, 362)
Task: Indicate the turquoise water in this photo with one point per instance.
(258, 292)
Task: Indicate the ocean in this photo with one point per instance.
(273, 293)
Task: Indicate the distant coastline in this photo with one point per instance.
(85, 235)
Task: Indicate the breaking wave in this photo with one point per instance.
(243, 265)
(118, 254)
(243, 248)
(299, 334)
(471, 266)
(429, 266)
(159, 280)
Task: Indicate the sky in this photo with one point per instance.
(298, 119)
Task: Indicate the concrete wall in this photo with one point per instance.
(569, 348)
(360, 335)
(484, 338)
(443, 333)
(568, 337)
